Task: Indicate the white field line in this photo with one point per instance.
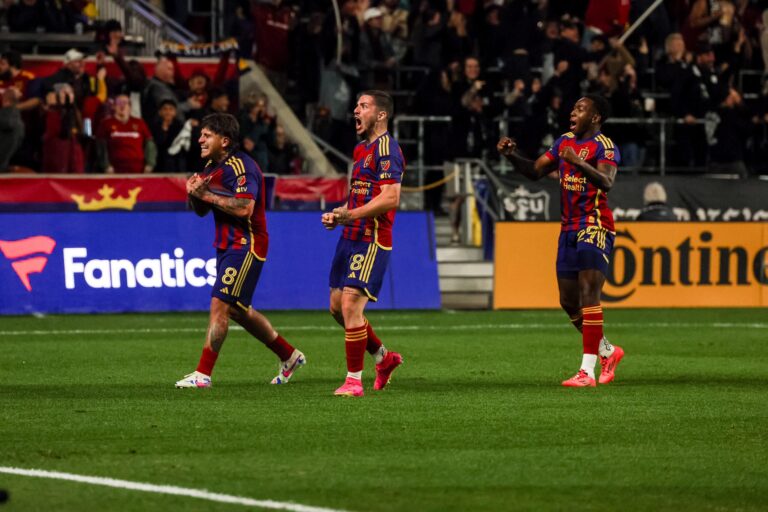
(166, 489)
(413, 328)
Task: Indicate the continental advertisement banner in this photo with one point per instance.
(703, 264)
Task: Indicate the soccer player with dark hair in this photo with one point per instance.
(587, 161)
(362, 254)
(232, 185)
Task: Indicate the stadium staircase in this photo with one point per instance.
(466, 279)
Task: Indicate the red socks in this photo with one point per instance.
(592, 329)
(355, 345)
(281, 348)
(207, 360)
(374, 343)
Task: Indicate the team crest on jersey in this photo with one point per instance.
(609, 155)
(241, 181)
(367, 162)
(385, 165)
(584, 153)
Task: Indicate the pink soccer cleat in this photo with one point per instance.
(608, 365)
(580, 380)
(385, 368)
(351, 387)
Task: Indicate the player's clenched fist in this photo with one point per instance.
(569, 155)
(329, 220)
(506, 146)
(196, 185)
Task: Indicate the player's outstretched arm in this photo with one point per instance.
(388, 199)
(602, 177)
(528, 168)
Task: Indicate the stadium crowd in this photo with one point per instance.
(491, 65)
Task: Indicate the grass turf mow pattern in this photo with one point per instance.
(474, 420)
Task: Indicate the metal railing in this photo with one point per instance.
(144, 19)
(417, 164)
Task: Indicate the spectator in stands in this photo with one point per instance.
(377, 57)
(655, 207)
(616, 61)
(258, 131)
(165, 129)
(672, 71)
(729, 41)
(72, 73)
(474, 112)
(160, 87)
(28, 103)
(395, 26)
(548, 120)
(12, 75)
(702, 94)
(62, 152)
(284, 155)
(731, 134)
(702, 17)
(428, 35)
(492, 37)
(220, 101)
(606, 17)
(124, 143)
(198, 86)
(11, 126)
(569, 57)
(274, 23)
(457, 44)
(626, 102)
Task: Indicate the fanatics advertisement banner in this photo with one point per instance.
(654, 264)
(105, 262)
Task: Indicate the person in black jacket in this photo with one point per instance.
(656, 208)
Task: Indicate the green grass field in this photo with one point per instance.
(474, 420)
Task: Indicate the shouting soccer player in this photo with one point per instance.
(587, 161)
(233, 187)
(363, 250)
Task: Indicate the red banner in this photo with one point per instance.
(332, 190)
(151, 192)
(92, 193)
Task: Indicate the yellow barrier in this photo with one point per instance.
(653, 265)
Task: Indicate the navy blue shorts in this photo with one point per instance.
(359, 265)
(237, 273)
(586, 249)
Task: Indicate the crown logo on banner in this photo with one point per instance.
(107, 201)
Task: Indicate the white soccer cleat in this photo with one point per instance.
(194, 380)
(289, 367)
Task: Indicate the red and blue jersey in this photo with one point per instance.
(239, 176)
(582, 204)
(379, 163)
